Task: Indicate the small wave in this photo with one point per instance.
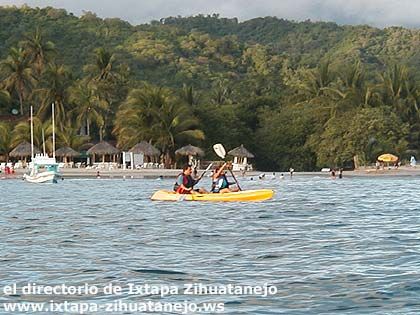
(159, 271)
(268, 256)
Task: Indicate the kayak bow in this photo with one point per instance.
(246, 195)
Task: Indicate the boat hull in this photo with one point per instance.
(43, 177)
(247, 195)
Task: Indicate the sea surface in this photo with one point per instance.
(349, 246)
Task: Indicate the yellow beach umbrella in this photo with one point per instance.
(388, 158)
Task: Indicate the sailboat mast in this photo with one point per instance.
(43, 140)
(53, 128)
(32, 134)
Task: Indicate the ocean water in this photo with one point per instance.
(349, 246)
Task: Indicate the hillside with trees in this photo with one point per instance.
(297, 94)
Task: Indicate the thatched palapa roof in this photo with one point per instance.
(145, 148)
(86, 146)
(23, 149)
(66, 152)
(241, 151)
(190, 150)
(103, 148)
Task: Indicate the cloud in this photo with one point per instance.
(374, 12)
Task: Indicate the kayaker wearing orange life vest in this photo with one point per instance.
(185, 182)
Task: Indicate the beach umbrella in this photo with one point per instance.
(83, 150)
(66, 152)
(241, 152)
(190, 150)
(86, 146)
(103, 148)
(23, 150)
(241, 155)
(388, 158)
(145, 148)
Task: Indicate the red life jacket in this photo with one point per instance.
(187, 181)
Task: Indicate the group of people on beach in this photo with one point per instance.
(186, 181)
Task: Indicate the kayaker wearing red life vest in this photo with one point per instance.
(185, 182)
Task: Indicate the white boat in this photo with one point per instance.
(43, 169)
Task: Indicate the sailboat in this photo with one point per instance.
(42, 168)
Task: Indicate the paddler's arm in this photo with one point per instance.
(220, 171)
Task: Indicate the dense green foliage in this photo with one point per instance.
(302, 95)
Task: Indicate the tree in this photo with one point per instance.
(102, 69)
(39, 51)
(174, 125)
(88, 107)
(56, 80)
(18, 74)
(135, 118)
(283, 138)
(68, 136)
(365, 133)
(189, 95)
(314, 82)
(154, 114)
(22, 132)
(4, 100)
(221, 92)
(6, 139)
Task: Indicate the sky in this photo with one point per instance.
(380, 13)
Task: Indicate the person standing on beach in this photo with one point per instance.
(340, 173)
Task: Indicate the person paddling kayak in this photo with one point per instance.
(185, 182)
(220, 181)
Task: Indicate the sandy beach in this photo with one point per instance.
(155, 173)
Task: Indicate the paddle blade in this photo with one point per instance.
(219, 149)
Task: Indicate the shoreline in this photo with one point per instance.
(172, 173)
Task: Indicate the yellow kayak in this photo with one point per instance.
(246, 195)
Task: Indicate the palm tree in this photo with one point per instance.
(18, 74)
(68, 136)
(155, 115)
(88, 107)
(399, 90)
(222, 92)
(135, 118)
(175, 125)
(393, 83)
(315, 81)
(350, 91)
(5, 139)
(38, 50)
(22, 132)
(189, 95)
(102, 69)
(4, 99)
(56, 80)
